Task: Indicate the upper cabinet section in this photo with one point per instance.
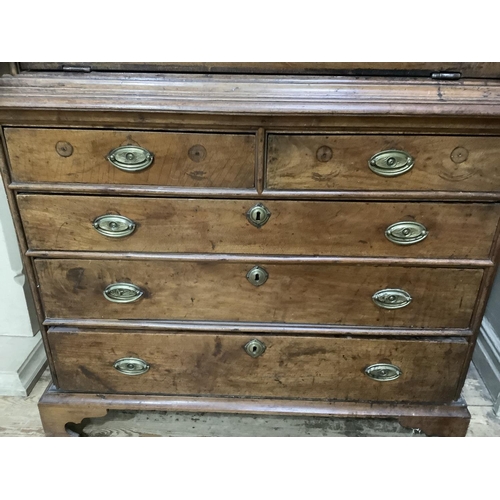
(422, 69)
(108, 157)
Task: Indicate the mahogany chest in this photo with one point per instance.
(294, 239)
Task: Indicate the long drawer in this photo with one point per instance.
(381, 296)
(261, 366)
(130, 157)
(383, 163)
(88, 223)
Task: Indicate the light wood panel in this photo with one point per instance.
(228, 160)
(227, 96)
(301, 293)
(294, 228)
(293, 163)
(308, 367)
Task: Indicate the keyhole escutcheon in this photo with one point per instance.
(257, 276)
(254, 348)
(258, 215)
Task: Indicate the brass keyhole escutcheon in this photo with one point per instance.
(257, 276)
(254, 348)
(258, 215)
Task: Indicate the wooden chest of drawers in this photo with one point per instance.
(260, 244)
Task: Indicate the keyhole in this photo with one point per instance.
(257, 216)
(257, 277)
(254, 348)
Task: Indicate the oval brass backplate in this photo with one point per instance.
(130, 158)
(123, 293)
(258, 215)
(383, 372)
(114, 226)
(257, 276)
(131, 366)
(391, 163)
(254, 348)
(406, 233)
(391, 298)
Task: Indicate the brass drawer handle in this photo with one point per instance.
(406, 233)
(114, 226)
(130, 158)
(254, 348)
(258, 215)
(383, 372)
(391, 163)
(257, 276)
(123, 293)
(391, 298)
(131, 366)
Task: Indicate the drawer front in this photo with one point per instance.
(178, 159)
(320, 162)
(291, 367)
(293, 293)
(294, 228)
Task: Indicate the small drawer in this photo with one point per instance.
(383, 163)
(368, 369)
(130, 157)
(338, 294)
(387, 229)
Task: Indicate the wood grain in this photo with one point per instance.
(221, 226)
(302, 293)
(229, 160)
(292, 163)
(302, 367)
(58, 407)
(251, 95)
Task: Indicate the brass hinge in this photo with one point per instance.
(77, 69)
(446, 76)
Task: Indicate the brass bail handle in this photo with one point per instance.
(114, 226)
(130, 158)
(391, 163)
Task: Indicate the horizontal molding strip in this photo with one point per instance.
(168, 191)
(263, 259)
(247, 327)
(251, 94)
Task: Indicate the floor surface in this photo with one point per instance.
(19, 417)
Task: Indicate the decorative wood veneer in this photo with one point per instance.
(64, 223)
(309, 296)
(327, 368)
(294, 293)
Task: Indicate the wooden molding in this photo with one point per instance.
(250, 94)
